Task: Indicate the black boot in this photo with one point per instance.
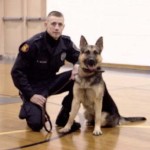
(63, 117)
(22, 113)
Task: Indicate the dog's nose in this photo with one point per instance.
(91, 62)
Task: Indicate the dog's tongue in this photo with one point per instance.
(91, 68)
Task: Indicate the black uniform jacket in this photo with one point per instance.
(39, 59)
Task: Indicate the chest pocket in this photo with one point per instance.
(58, 61)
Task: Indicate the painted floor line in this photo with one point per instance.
(133, 126)
(11, 132)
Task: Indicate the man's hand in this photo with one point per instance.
(38, 99)
(74, 71)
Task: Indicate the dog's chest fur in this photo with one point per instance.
(84, 83)
(89, 90)
(89, 81)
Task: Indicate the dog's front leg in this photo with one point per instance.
(98, 111)
(73, 113)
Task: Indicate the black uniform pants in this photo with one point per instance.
(59, 84)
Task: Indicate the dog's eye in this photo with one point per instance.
(87, 52)
(95, 52)
(82, 50)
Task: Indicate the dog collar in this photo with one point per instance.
(90, 71)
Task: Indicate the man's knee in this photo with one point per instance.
(33, 115)
(35, 125)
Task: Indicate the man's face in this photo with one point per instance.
(54, 26)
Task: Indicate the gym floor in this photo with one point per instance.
(130, 90)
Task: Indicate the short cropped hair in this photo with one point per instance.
(55, 13)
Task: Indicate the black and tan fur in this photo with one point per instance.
(89, 90)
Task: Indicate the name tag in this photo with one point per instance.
(42, 61)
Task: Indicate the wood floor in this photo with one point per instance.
(131, 92)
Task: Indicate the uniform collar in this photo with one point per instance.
(55, 46)
(51, 40)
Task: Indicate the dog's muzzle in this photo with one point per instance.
(90, 64)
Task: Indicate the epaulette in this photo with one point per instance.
(24, 47)
(35, 38)
(66, 37)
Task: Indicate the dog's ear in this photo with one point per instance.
(83, 42)
(99, 43)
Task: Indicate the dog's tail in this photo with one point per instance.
(125, 120)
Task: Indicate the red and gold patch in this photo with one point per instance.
(25, 48)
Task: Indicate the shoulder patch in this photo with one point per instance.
(24, 48)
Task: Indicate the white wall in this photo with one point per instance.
(124, 25)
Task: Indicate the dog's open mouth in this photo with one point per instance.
(90, 64)
(91, 68)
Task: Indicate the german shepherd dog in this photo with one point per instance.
(89, 89)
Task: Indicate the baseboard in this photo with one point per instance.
(122, 66)
(126, 66)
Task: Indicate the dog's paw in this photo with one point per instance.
(64, 130)
(97, 132)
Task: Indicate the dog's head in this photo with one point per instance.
(90, 55)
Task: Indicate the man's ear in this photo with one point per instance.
(63, 26)
(45, 23)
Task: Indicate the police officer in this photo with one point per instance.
(35, 72)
